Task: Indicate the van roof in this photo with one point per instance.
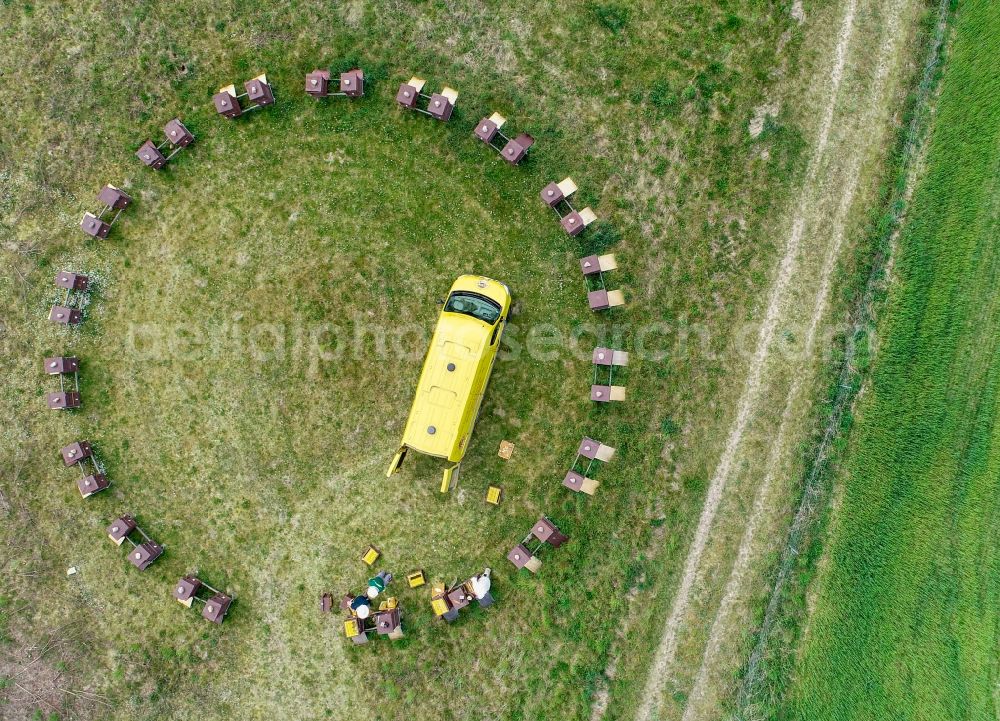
(445, 385)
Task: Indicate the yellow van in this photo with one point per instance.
(455, 373)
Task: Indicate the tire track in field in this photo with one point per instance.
(741, 567)
(913, 150)
(738, 576)
(668, 643)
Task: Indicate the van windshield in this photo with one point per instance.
(477, 306)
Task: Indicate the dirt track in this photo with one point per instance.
(848, 139)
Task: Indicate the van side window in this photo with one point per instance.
(496, 332)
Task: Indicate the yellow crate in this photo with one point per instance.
(352, 627)
(440, 606)
(416, 579)
(371, 555)
(493, 495)
(388, 604)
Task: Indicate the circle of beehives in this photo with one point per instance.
(430, 429)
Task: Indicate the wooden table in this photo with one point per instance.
(459, 598)
(387, 621)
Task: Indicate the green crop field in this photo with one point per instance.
(259, 315)
(903, 620)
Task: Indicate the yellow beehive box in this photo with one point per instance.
(371, 555)
(440, 606)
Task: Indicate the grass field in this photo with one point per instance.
(903, 621)
(260, 315)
